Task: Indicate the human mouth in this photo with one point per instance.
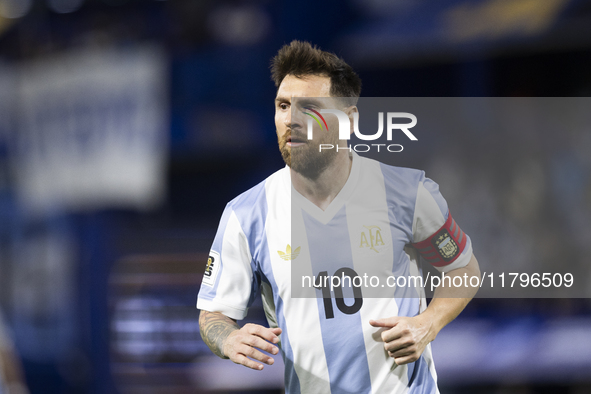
(295, 141)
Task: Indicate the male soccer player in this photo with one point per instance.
(357, 215)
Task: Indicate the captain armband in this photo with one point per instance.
(444, 246)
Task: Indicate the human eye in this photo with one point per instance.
(313, 106)
(284, 106)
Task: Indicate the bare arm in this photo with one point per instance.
(228, 340)
(448, 302)
(215, 328)
(405, 338)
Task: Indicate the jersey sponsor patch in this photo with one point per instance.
(443, 247)
(211, 269)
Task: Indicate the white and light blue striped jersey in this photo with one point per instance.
(371, 226)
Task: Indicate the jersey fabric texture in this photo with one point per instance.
(327, 346)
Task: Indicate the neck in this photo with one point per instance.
(323, 190)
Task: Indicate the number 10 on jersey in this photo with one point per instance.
(325, 286)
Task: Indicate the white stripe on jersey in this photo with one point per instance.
(300, 314)
(235, 276)
(428, 217)
(428, 355)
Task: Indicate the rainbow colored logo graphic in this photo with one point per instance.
(316, 119)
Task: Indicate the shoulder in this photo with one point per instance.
(401, 183)
(412, 188)
(402, 176)
(400, 186)
(252, 204)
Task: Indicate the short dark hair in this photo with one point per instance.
(300, 58)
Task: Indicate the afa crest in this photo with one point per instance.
(445, 245)
(371, 237)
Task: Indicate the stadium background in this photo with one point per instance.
(126, 126)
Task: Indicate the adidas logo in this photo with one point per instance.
(288, 255)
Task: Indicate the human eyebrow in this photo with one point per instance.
(282, 100)
(307, 102)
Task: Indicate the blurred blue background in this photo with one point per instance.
(127, 125)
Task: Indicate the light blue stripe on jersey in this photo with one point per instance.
(401, 191)
(433, 188)
(251, 210)
(219, 237)
(342, 336)
(420, 380)
(407, 298)
(292, 381)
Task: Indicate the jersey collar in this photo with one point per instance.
(339, 201)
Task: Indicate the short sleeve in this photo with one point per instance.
(436, 235)
(228, 282)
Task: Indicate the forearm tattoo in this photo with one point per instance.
(215, 328)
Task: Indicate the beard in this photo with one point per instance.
(307, 160)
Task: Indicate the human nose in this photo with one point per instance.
(294, 118)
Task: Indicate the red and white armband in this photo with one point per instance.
(444, 246)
